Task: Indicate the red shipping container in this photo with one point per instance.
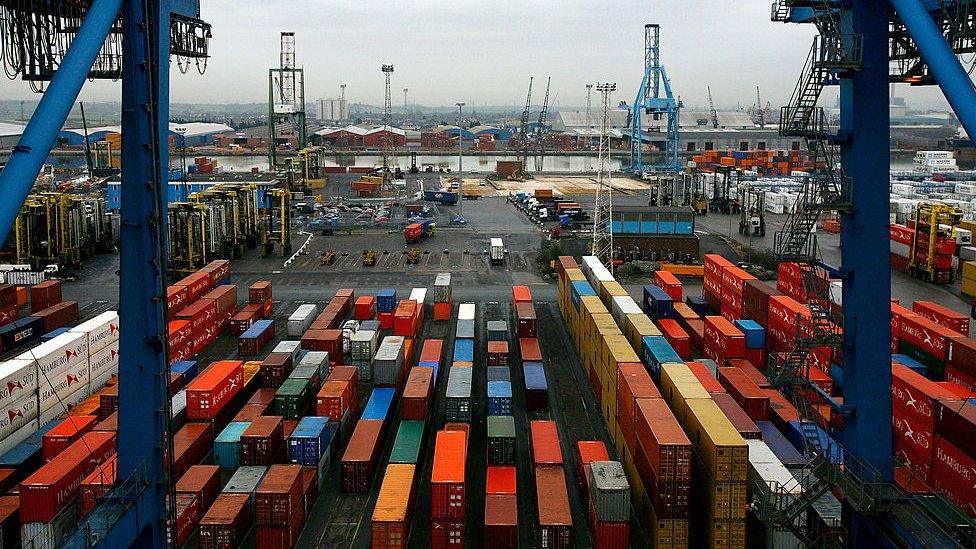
(715, 264)
(218, 270)
(432, 351)
(737, 416)
(526, 318)
(497, 353)
(633, 382)
(588, 451)
(200, 313)
(334, 399)
(960, 377)
(712, 287)
(57, 315)
(529, 349)
(501, 521)
(447, 534)
(545, 444)
(501, 480)
(360, 457)
(723, 339)
(98, 483)
(925, 334)
(755, 298)
(901, 234)
(46, 492)
(386, 320)
(521, 294)
(243, 320)
(45, 294)
(417, 393)
(365, 307)
(259, 292)
(555, 517)
(734, 279)
(670, 284)
(753, 400)
(731, 305)
(666, 447)
(705, 377)
(447, 491)
(962, 355)
(944, 316)
(190, 445)
(609, 535)
(8, 314)
(226, 522)
(279, 497)
(406, 319)
(329, 341)
(955, 473)
(781, 411)
(188, 509)
(180, 334)
(676, 336)
(209, 392)
(956, 424)
(442, 310)
(225, 296)
(275, 369)
(263, 442)
(202, 481)
(65, 433)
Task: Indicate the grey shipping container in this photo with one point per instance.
(499, 373)
(364, 368)
(372, 324)
(245, 481)
(465, 329)
(319, 359)
(442, 288)
(362, 344)
(497, 330)
(501, 440)
(292, 347)
(609, 491)
(458, 404)
(44, 535)
(388, 362)
(301, 319)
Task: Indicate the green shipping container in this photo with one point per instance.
(228, 443)
(409, 440)
(935, 368)
(292, 398)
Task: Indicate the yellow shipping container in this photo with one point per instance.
(725, 500)
(611, 289)
(668, 533)
(969, 270)
(969, 286)
(614, 349)
(727, 534)
(637, 493)
(618, 438)
(638, 326)
(678, 386)
(598, 327)
(574, 275)
(589, 305)
(722, 450)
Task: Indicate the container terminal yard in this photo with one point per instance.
(746, 346)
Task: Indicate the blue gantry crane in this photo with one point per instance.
(132, 41)
(860, 46)
(651, 106)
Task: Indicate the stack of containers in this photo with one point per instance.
(501, 508)
(552, 499)
(44, 295)
(406, 318)
(443, 298)
(311, 444)
(56, 316)
(362, 348)
(392, 514)
(386, 302)
(954, 456)
(609, 509)
(297, 394)
(712, 281)
(196, 491)
(388, 364)
(447, 499)
(337, 399)
(755, 336)
(536, 390)
(301, 319)
(733, 289)
(499, 391)
(363, 450)
(63, 378)
(457, 407)
(279, 506)
(225, 297)
(465, 322)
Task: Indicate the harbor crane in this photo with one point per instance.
(523, 138)
(711, 109)
(655, 106)
(541, 131)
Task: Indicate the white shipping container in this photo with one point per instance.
(466, 311)
(18, 376)
(622, 306)
(17, 414)
(419, 295)
(362, 344)
(106, 360)
(59, 354)
(301, 319)
(590, 262)
(18, 436)
(292, 347)
(765, 465)
(101, 330)
(67, 402)
(56, 386)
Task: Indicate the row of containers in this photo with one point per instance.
(49, 314)
(57, 439)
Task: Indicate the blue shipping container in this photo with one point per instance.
(186, 367)
(781, 447)
(697, 304)
(386, 300)
(657, 303)
(227, 446)
(909, 363)
(25, 458)
(657, 351)
(499, 398)
(54, 333)
(257, 328)
(311, 440)
(433, 364)
(463, 350)
(499, 373)
(378, 405)
(581, 288)
(755, 334)
(535, 376)
(444, 197)
(795, 435)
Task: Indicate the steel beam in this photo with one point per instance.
(943, 63)
(27, 158)
(864, 241)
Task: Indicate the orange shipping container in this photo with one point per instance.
(447, 477)
(391, 516)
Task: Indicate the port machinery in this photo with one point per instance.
(860, 50)
(655, 100)
(57, 46)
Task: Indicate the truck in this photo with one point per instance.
(442, 196)
(414, 232)
(496, 251)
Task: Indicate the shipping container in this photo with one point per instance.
(388, 364)
(746, 393)
(545, 444)
(525, 317)
(361, 455)
(263, 442)
(227, 445)
(501, 521)
(255, 338)
(392, 513)
(409, 442)
(202, 481)
(588, 451)
(501, 440)
(499, 398)
(278, 499)
(552, 500)
(497, 330)
(448, 476)
(609, 491)
(226, 522)
(210, 391)
(536, 392)
(529, 350)
(458, 395)
(417, 393)
(301, 319)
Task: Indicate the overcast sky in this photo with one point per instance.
(484, 52)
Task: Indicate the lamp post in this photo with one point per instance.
(459, 106)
